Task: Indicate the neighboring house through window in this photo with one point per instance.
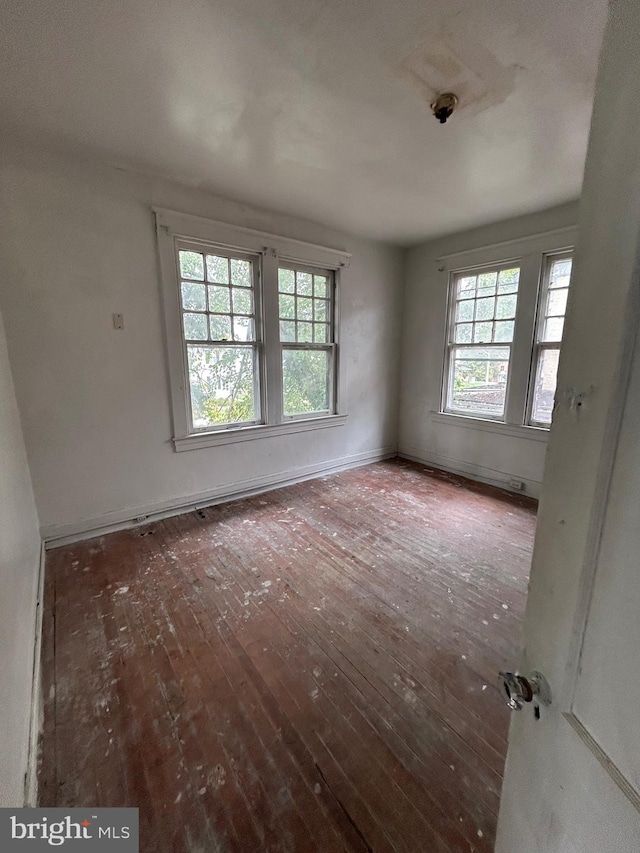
(504, 331)
(481, 331)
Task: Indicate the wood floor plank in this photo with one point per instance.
(313, 669)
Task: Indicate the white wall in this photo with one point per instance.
(19, 563)
(77, 244)
(492, 456)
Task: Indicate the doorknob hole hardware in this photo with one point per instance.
(521, 690)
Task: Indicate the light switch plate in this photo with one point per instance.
(118, 321)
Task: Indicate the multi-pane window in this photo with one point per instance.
(481, 329)
(252, 331)
(305, 310)
(550, 326)
(217, 300)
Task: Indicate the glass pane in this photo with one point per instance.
(320, 310)
(242, 302)
(219, 299)
(478, 385)
(195, 327)
(286, 281)
(506, 307)
(220, 328)
(193, 296)
(553, 329)
(320, 333)
(221, 385)
(241, 273)
(243, 329)
(557, 302)
(217, 269)
(287, 306)
(305, 380)
(304, 285)
(508, 280)
(545, 387)
(467, 286)
(484, 308)
(464, 310)
(463, 333)
(482, 333)
(287, 330)
(305, 333)
(305, 309)
(503, 332)
(191, 265)
(560, 273)
(487, 283)
(320, 285)
(492, 353)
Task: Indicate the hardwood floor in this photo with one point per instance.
(313, 669)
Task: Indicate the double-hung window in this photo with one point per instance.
(218, 312)
(305, 299)
(504, 331)
(550, 326)
(483, 310)
(252, 331)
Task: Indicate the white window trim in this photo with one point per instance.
(531, 254)
(534, 433)
(172, 226)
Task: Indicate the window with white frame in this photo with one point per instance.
(217, 302)
(305, 299)
(481, 328)
(252, 331)
(550, 326)
(504, 332)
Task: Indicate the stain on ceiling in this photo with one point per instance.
(457, 62)
(317, 108)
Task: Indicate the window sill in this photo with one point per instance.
(236, 434)
(517, 431)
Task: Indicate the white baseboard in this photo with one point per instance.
(490, 476)
(63, 534)
(35, 722)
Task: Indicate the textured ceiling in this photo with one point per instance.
(317, 108)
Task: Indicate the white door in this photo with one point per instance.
(572, 780)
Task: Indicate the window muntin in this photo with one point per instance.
(217, 308)
(481, 329)
(550, 328)
(306, 322)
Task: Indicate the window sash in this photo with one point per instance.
(328, 346)
(207, 249)
(257, 399)
(483, 414)
(330, 349)
(539, 351)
